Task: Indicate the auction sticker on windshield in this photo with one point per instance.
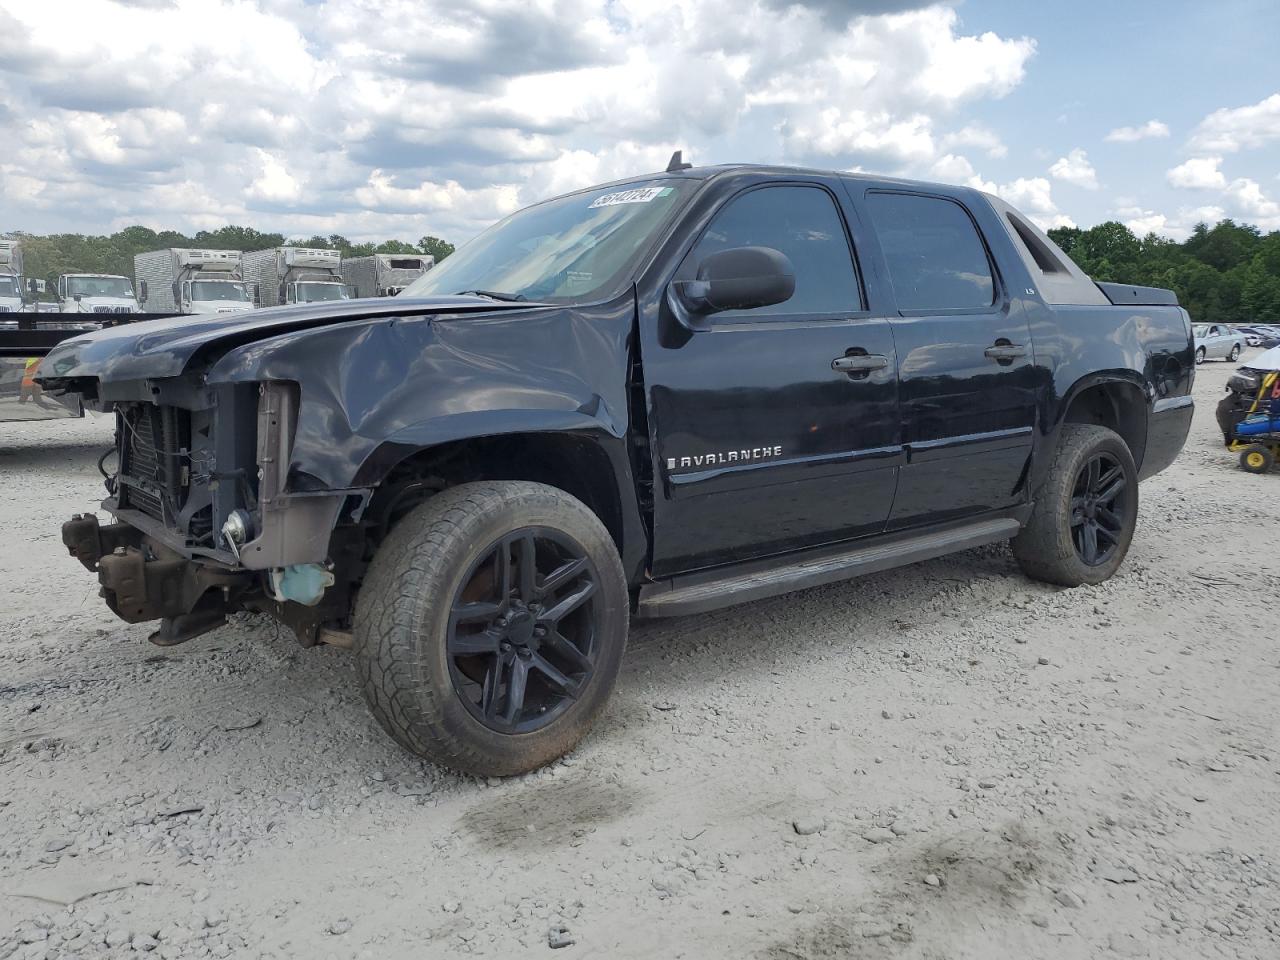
(639, 195)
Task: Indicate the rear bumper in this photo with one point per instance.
(1167, 431)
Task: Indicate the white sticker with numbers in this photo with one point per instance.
(640, 195)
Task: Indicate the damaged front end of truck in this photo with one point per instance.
(204, 526)
(260, 459)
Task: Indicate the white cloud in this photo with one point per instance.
(1239, 128)
(977, 137)
(1034, 197)
(1075, 168)
(1198, 173)
(1150, 130)
(1148, 221)
(427, 116)
(275, 183)
(1176, 226)
(1245, 196)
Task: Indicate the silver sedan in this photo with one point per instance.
(1217, 340)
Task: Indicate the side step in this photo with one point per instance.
(680, 596)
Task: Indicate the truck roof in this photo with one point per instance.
(779, 170)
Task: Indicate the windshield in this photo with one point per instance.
(219, 290)
(99, 287)
(311, 292)
(8, 286)
(1201, 331)
(578, 247)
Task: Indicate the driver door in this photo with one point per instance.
(760, 446)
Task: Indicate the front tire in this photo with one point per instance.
(1085, 512)
(1256, 458)
(1199, 356)
(490, 627)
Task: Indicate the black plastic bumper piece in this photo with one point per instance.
(143, 580)
(88, 541)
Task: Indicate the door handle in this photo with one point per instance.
(1005, 353)
(860, 363)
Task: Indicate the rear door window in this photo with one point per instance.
(936, 258)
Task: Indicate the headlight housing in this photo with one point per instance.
(1244, 380)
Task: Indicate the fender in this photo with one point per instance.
(372, 392)
(1148, 354)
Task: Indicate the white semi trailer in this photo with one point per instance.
(96, 293)
(12, 295)
(384, 274)
(295, 275)
(181, 280)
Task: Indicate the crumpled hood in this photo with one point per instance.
(156, 349)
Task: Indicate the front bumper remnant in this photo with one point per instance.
(144, 580)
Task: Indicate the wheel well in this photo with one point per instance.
(574, 463)
(1118, 406)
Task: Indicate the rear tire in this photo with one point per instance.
(488, 665)
(1085, 511)
(1235, 353)
(1256, 458)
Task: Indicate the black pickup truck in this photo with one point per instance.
(655, 398)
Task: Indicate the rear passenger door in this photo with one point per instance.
(967, 383)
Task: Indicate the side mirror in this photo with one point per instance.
(739, 279)
(142, 290)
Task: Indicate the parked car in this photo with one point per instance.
(1217, 341)
(1260, 335)
(654, 397)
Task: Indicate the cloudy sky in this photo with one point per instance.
(380, 118)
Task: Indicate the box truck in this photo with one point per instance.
(384, 274)
(180, 280)
(11, 291)
(295, 275)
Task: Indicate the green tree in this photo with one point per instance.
(436, 247)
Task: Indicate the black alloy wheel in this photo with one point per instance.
(522, 630)
(1099, 509)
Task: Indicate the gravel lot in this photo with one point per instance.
(942, 761)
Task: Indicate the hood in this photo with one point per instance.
(1266, 360)
(155, 349)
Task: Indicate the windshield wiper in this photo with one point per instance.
(493, 295)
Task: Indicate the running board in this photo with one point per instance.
(679, 597)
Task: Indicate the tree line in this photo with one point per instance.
(1227, 273)
(46, 258)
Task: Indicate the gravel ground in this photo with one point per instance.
(942, 761)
